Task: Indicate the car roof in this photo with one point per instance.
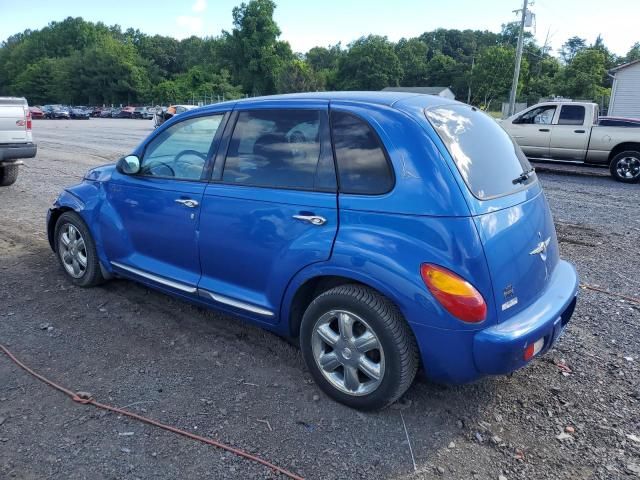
(364, 97)
(380, 98)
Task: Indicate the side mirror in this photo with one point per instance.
(129, 165)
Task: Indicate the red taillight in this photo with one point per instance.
(454, 293)
(28, 120)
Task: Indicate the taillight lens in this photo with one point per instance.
(28, 113)
(454, 293)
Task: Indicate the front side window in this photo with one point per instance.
(571, 115)
(274, 148)
(363, 167)
(182, 150)
(538, 116)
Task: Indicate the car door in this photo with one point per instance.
(532, 130)
(570, 134)
(271, 208)
(152, 228)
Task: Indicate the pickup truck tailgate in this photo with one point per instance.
(13, 123)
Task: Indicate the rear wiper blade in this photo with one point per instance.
(523, 177)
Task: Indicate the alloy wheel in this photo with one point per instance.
(72, 250)
(628, 167)
(348, 352)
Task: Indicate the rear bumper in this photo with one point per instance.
(459, 356)
(13, 151)
(500, 349)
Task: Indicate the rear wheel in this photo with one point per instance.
(358, 347)
(625, 166)
(76, 251)
(8, 175)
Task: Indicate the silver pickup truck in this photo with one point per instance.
(16, 139)
(570, 131)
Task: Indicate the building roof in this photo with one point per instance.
(423, 90)
(624, 65)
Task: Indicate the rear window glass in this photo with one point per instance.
(571, 115)
(488, 159)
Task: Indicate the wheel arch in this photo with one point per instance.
(54, 215)
(621, 147)
(310, 283)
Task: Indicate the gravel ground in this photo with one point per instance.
(213, 375)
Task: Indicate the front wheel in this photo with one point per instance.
(8, 175)
(358, 347)
(76, 251)
(625, 166)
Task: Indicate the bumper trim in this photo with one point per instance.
(499, 349)
(11, 151)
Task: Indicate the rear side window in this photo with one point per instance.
(274, 148)
(488, 159)
(363, 167)
(571, 115)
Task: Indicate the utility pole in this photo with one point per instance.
(516, 71)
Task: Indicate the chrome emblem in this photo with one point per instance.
(541, 248)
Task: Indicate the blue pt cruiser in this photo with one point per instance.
(385, 231)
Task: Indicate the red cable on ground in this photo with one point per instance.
(85, 399)
(614, 294)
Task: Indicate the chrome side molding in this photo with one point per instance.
(216, 297)
(161, 280)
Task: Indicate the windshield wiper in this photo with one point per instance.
(523, 177)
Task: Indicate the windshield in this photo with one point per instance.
(490, 162)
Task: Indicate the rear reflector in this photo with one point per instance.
(454, 293)
(533, 349)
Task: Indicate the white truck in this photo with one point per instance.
(570, 131)
(16, 138)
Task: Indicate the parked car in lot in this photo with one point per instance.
(571, 131)
(79, 113)
(36, 113)
(16, 138)
(163, 114)
(115, 112)
(143, 113)
(60, 113)
(106, 113)
(383, 230)
(126, 112)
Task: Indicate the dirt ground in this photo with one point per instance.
(213, 375)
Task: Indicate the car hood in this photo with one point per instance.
(100, 174)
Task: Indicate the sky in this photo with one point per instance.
(306, 24)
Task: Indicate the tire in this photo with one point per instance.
(8, 175)
(390, 347)
(625, 166)
(89, 274)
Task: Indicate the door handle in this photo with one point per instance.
(187, 202)
(312, 219)
(578, 131)
(543, 129)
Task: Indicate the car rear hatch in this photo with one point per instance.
(13, 120)
(505, 199)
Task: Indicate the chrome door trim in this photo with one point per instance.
(150, 276)
(235, 303)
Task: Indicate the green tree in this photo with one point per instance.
(492, 75)
(298, 76)
(370, 64)
(252, 47)
(633, 53)
(582, 78)
(571, 48)
(412, 54)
